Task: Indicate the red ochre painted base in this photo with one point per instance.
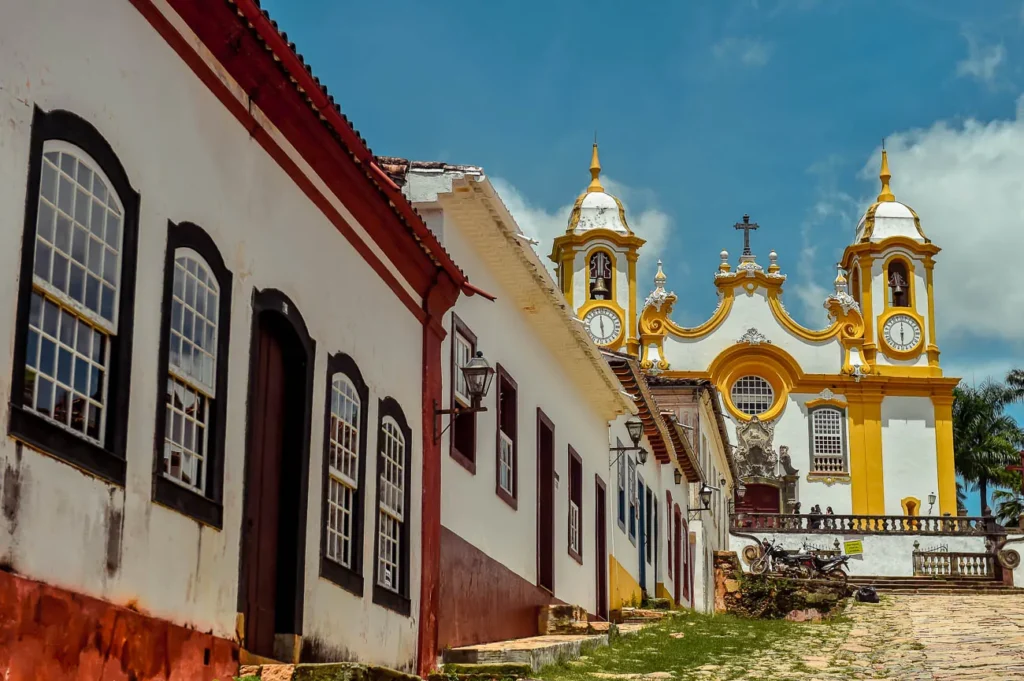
(51, 633)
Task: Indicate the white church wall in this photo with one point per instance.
(190, 159)
(908, 452)
(879, 295)
(470, 506)
(884, 555)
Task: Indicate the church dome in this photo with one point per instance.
(595, 208)
(887, 217)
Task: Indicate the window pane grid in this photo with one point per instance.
(194, 311)
(344, 469)
(392, 504)
(66, 366)
(463, 353)
(574, 526)
(827, 440)
(752, 395)
(185, 436)
(78, 238)
(505, 463)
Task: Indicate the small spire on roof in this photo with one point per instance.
(595, 170)
(660, 278)
(885, 176)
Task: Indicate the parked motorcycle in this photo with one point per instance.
(778, 559)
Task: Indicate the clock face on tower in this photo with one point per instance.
(603, 325)
(901, 332)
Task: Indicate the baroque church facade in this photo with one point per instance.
(854, 416)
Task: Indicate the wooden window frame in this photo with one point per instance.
(575, 489)
(400, 601)
(503, 379)
(632, 506)
(465, 459)
(668, 494)
(205, 508)
(621, 488)
(348, 578)
(107, 462)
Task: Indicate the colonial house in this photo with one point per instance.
(223, 358)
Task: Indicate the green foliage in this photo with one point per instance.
(985, 439)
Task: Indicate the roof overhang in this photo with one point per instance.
(686, 457)
(628, 372)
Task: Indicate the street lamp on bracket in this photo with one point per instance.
(635, 428)
(705, 502)
(478, 374)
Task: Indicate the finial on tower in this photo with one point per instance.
(660, 278)
(885, 176)
(840, 283)
(595, 170)
(724, 265)
(773, 262)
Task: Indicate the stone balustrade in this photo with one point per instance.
(954, 564)
(865, 524)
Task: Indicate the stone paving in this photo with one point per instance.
(904, 638)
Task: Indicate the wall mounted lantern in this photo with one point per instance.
(931, 502)
(635, 428)
(478, 374)
(678, 475)
(705, 502)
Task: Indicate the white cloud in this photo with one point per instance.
(648, 221)
(752, 52)
(966, 182)
(975, 372)
(982, 61)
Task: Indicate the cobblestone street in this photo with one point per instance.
(903, 638)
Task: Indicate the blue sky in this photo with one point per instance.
(707, 110)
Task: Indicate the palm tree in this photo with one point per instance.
(1008, 505)
(1015, 383)
(985, 440)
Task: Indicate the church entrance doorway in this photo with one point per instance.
(277, 463)
(760, 498)
(545, 502)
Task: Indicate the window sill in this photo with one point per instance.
(50, 439)
(339, 575)
(506, 497)
(463, 460)
(390, 600)
(829, 478)
(576, 556)
(187, 502)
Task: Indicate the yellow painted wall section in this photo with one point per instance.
(858, 462)
(873, 454)
(623, 589)
(661, 591)
(944, 453)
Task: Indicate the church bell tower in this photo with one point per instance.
(596, 264)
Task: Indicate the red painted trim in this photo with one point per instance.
(471, 290)
(227, 98)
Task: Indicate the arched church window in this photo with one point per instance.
(899, 284)
(600, 276)
(752, 395)
(855, 283)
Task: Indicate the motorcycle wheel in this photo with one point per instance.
(759, 566)
(837, 576)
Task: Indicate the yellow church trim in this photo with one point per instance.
(867, 485)
(798, 329)
(822, 402)
(632, 346)
(565, 265)
(944, 452)
(933, 346)
(878, 248)
(912, 353)
(906, 502)
(767, 361)
(586, 307)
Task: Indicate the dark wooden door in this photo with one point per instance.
(263, 500)
(545, 503)
(600, 543)
(678, 549)
(759, 498)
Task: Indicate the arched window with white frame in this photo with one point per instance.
(394, 442)
(194, 345)
(344, 474)
(828, 440)
(73, 344)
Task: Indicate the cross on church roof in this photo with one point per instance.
(746, 226)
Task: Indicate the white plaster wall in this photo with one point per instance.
(190, 160)
(1018, 546)
(752, 310)
(910, 466)
(469, 505)
(884, 555)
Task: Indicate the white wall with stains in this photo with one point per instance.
(190, 160)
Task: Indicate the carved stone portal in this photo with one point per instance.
(759, 464)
